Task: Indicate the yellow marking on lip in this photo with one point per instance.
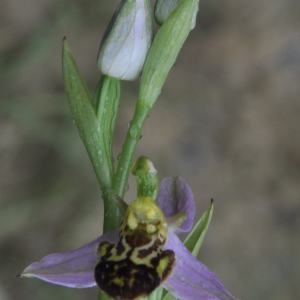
(162, 266)
(104, 248)
(119, 281)
(118, 257)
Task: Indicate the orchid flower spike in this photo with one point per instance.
(144, 254)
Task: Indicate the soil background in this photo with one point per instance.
(227, 120)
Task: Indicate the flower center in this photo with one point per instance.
(137, 264)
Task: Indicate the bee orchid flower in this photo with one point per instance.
(189, 279)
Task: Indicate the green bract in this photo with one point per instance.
(95, 128)
(84, 116)
(125, 45)
(195, 238)
(164, 50)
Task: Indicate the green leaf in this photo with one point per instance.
(84, 115)
(194, 240)
(80, 101)
(107, 100)
(165, 48)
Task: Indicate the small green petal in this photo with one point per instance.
(194, 240)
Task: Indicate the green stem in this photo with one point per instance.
(126, 157)
(112, 213)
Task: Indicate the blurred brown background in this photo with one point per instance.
(227, 120)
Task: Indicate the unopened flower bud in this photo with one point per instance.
(125, 45)
(163, 9)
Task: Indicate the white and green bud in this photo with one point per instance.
(163, 9)
(125, 45)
